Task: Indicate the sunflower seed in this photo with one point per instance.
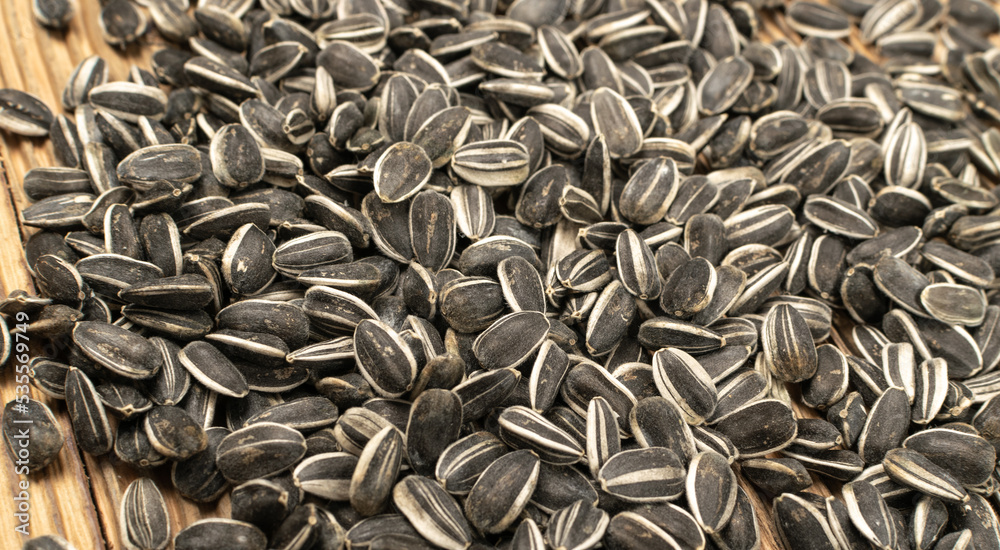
(88, 418)
(434, 423)
(31, 427)
(143, 516)
(24, 114)
(787, 344)
(258, 450)
(654, 474)
(493, 503)
(375, 475)
(433, 512)
(209, 533)
(198, 477)
(492, 163)
(912, 469)
(681, 378)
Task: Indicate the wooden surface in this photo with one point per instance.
(77, 496)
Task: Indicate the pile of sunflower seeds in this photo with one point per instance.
(446, 273)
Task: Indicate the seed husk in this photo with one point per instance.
(259, 450)
(24, 114)
(886, 425)
(401, 171)
(603, 440)
(681, 378)
(198, 478)
(383, 359)
(434, 424)
(963, 455)
(689, 288)
(373, 479)
(495, 347)
(143, 516)
(710, 487)
(654, 474)
(752, 435)
(327, 475)
(526, 429)
(578, 525)
(787, 344)
(173, 433)
(462, 462)
(649, 192)
(213, 369)
(912, 469)
(953, 303)
(432, 511)
(91, 427)
(492, 163)
(502, 491)
(801, 524)
(658, 422)
(209, 533)
(35, 424)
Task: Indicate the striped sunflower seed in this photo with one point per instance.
(401, 171)
(432, 229)
(213, 369)
(88, 418)
(886, 425)
(722, 85)
(787, 344)
(383, 359)
(198, 477)
(462, 462)
(689, 288)
(711, 490)
(378, 465)
(143, 516)
(752, 435)
(210, 533)
(434, 424)
(117, 349)
(603, 440)
(801, 524)
(912, 469)
(259, 450)
(493, 347)
(869, 513)
(492, 163)
(681, 378)
(523, 428)
(34, 428)
(776, 475)
(433, 512)
(173, 432)
(649, 192)
(579, 525)
(654, 474)
(326, 475)
(24, 114)
(954, 303)
(963, 455)
(502, 491)
(663, 332)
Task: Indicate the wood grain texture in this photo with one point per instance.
(78, 496)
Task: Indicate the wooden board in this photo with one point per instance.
(77, 497)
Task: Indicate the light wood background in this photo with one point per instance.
(77, 497)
